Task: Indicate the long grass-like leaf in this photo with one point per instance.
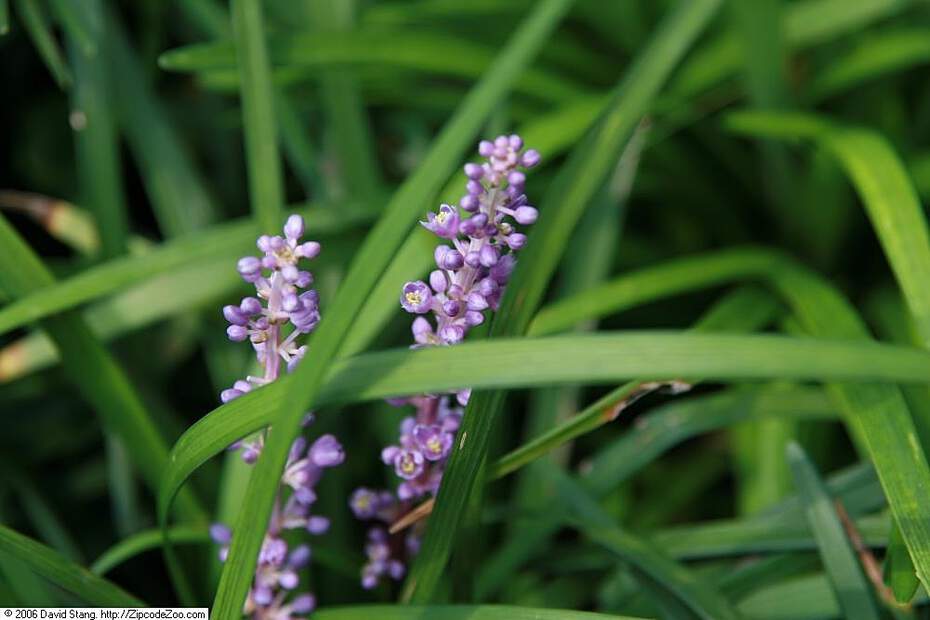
(673, 277)
(224, 242)
(455, 612)
(177, 194)
(63, 572)
(37, 25)
(596, 358)
(93, 371)
(886, 192)
(100, 182)
(135, 307)
(370, 261)
(806, 24)
(144, 541)
(894, 50)
(745, 310)
(877, 415)
(443, 54)
(583, 175)
(839, 557)
(264, 166)
(76, 24)
(700, 597)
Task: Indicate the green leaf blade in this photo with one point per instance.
(839, 558)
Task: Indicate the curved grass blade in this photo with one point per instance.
(176, 193)
(898, 569)
(886, 309)
(876, 415)
(673, 277)
(370, 261)
(145, 541)
(595, 358)
(747, 537)
(886, 192)
(136, 307)
(63, 572)
(743, 311)
(839, 559)
(4, 17)
(351, 134)
(443, 54)
(90, 367)
(700, 597)
(582, 176)
(874, 57)
(261, 146)
(70, 224)
(654, 435)
(43, 518)
(806, 24)
(222, 243)
(37, 26)
(455, 612)
(100, 182)
(896, 214)
(76, 24)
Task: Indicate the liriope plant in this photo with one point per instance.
(678, 371)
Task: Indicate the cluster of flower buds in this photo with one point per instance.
(276, 574)
(418, 459)
(263, 320)
(279, 302)
(473, 267)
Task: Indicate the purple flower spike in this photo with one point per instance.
(416, 297)
(282, 310)
(475, 261)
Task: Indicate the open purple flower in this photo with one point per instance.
(444, 223)
(416, 297)
(434, 443)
